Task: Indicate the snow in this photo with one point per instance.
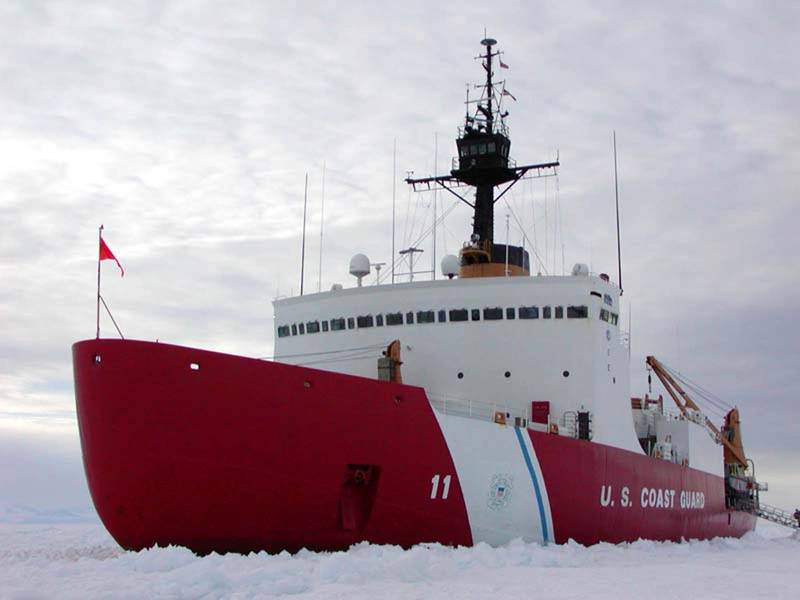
(80, 560)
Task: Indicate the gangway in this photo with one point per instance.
(776, 515)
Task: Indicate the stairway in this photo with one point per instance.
(776, 515)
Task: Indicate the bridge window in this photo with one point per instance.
(528, 312)
(577, 312)
(559, 312)
(547, 312)
(491, 147)
(394, 318)
(409, 318)
(442, 316)
(294, 329)
(378, 320)
(301, 328)
(608, 316)
(458, 314)
(425, 316)
(351, 323)
(337, 324)
(476, 314)
(324, 326)
(510, 313)
(493, 314)
(365, 321)
(283, 331)
(312, 327)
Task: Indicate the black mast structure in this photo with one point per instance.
(483, 163)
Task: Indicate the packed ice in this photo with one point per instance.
(80, 560)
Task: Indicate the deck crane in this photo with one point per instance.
(741, 489)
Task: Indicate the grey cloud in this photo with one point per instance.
(187, 130)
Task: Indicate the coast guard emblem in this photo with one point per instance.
(500, 491)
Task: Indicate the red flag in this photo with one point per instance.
(502, 64)
(107, 254)
(507, 93)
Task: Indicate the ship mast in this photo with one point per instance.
(483, 163)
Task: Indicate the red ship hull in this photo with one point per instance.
(223, 453)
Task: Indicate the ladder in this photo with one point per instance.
(776, 515)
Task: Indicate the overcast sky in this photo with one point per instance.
(186, 128)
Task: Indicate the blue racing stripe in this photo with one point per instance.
(528, 462)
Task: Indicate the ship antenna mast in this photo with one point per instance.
(483, 163)
(616, 201)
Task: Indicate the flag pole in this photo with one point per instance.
(99, 241)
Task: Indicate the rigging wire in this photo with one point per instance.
(370, 356)
(424, 234)
(533, 212)
(546, 226)
(357, 348)
(709, 401)
(405, 224)
(698, 388)
(533, 248)
(560, 228)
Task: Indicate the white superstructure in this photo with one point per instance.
(478, 344)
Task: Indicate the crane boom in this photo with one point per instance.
(734, 451)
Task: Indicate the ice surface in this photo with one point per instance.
(82, 561)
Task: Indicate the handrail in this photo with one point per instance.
(469, 407)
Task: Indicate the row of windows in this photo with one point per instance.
(454, 315)
(481, 149)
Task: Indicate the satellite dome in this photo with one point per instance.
(359, 267)
(580, 269)
(450, 266)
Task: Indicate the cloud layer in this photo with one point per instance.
(187, 129)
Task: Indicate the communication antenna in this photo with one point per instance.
(377, 271)
(616, 197)
(303, 251)
(394, 198)
(508, 225)
(321, 223)
(411, 251)
(435, 194)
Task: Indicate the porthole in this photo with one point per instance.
(460, 375)
(508, 374)
(565, 373)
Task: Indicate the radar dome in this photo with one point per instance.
(450, 266)
(359, 267)
(580, 269)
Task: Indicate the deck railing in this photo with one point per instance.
(486, 411)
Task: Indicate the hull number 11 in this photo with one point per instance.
(435, 487)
